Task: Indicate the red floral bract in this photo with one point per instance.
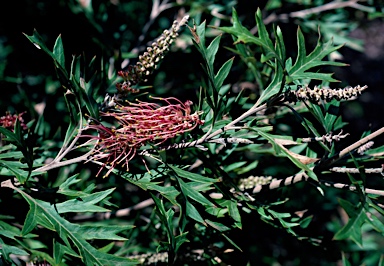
(139, 124)
(8, 121)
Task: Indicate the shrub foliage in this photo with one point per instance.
(214, 143)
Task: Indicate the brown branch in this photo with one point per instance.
(353, 188)
(58, 163)
(209, 137)
(302, 176)
(330, 6)
(356, 171)
(276, 183)
(361, 142)
(119, 213)
(314, 10)
(328, 137)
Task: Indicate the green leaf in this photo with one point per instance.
(30, 221)
(223, 91)
(192, 212)
(274, 86)
(20, 174)
(243, 35)
(193, 176)
(75, 70)
(38, 41)
(352, 230)
(180, 239)
(58, 52)
(306, 221)
(169, 192)
(345, 260)
(58, 252)
(106, 232)
(192, 193)
(279, 149)
(107, 248)
(280, 46)
(84, 203)
(212, 50)
(8, 230)
(232, 242)
(234, 211)
(216, 211)
(46, 215)
(11, 154)
(305, 62)
(331, 115)
(57, 55)
(75, 114)
(43, 256)
(78, 84)
(200, 31)
(223, 73)
(166, 219)
(7, 250)
(10, 137)
(65, 190)
(234, 166)
(248, 168)
(218, 226)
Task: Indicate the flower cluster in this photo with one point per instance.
(252, 181)
(362, 149)
(149, 61)
(150, 258)
(8, 121)
(139, 124)
(323, 93)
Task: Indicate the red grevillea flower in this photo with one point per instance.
(8, 121)
(139, 124)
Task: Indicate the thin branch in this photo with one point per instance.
(56, 164)
(361, 142)
(353, 188)
(64, 150)
(357, 171)
(330, 6)
(328, 137)
(302, 176)
(157, 8)
(224, 141)
(326, 163)
(276, 183)
(7, 183)
(208, 137)
(314, 10)
(120, 213)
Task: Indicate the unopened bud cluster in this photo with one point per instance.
(149, 61)
(252, 181)
(150, 258)
(323, 93)
(362, 149)
(8, 120)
